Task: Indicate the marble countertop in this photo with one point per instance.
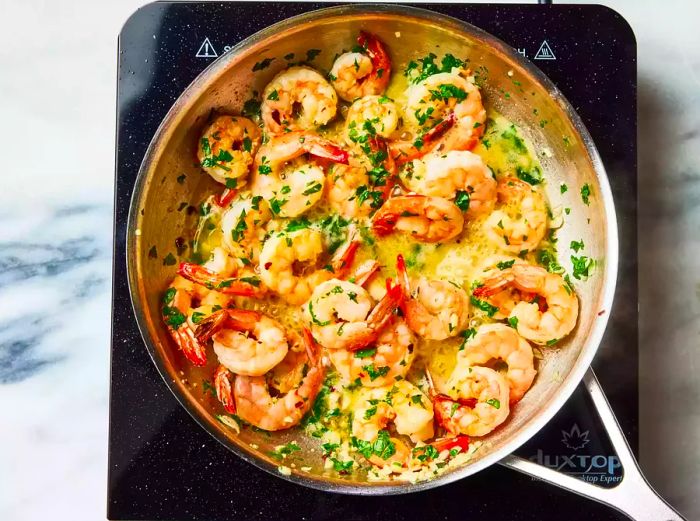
(58, 87)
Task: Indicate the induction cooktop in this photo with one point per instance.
(163, 466)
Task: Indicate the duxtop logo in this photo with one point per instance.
(594, 468)
(575, 439)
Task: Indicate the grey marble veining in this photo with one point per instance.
(56, 232)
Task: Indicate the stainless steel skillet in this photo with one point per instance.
(568, 155)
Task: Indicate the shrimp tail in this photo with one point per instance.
(311, 346)
(344, 258)
(376, 51)
(222, 385)
(230, 286)
(242, 319)
(365, 271)
(461, 442)
(326, 150)
(209, 326)
(493, 285)
(190, 345)
(404, 152)
(226, 197)
(379, 318)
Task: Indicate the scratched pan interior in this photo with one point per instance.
(570, 157)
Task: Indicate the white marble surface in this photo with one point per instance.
(57, 99)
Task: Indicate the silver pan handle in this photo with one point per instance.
(633, 496)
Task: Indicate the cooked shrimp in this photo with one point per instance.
(454, 174)
(502, 301)
(291, 183)
(193, 295)
(246, 342)
(227, 147)
(381, 362)
(242, 227)
(342, 185)
(255, 404)
(243, 286)
(298, 98)
(371, 115)
(341, 314)
(473, 401)
(289, 263)
(425, 218)
(446, 112)
(501, 342)
(177, 305)
(366, 73)
(521, 222)
(401, 403)
(434, 309)
(552, 311)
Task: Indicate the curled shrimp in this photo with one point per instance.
(227, 147)
(373, 115)
(242, 227)
(290, 263)
(366, 73)
(456, 174)
(501, 342)
(425, 218)
(473, 401)
(341, 314)
(504, 300)
(255, 404)
(381, 362)
(401, 403)
(521, 221)
(298, 98)
(551, 309)
(434, 309)
(290, 182)
(194, 294)
(246, 342)
(446, 112)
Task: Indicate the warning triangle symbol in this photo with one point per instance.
(545, 52)
(206, 50)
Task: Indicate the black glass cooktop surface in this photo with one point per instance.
(163, 466)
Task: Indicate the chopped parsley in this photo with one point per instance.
(577, 245)
(586, 194)
(273, 96)
(169, 260)
(251, 107)
(366, 353)
(582, 266)
(420, 69)
(483, 306)
(376, 372)
(263, 64)
(533, 176)
(493, 402)
(462, 200)
(311, 54)
(504, 265)
(513, 322)
(283, 451)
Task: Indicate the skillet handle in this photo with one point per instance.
(633, 496)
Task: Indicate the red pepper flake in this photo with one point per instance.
(267, 265)
(601, 312)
